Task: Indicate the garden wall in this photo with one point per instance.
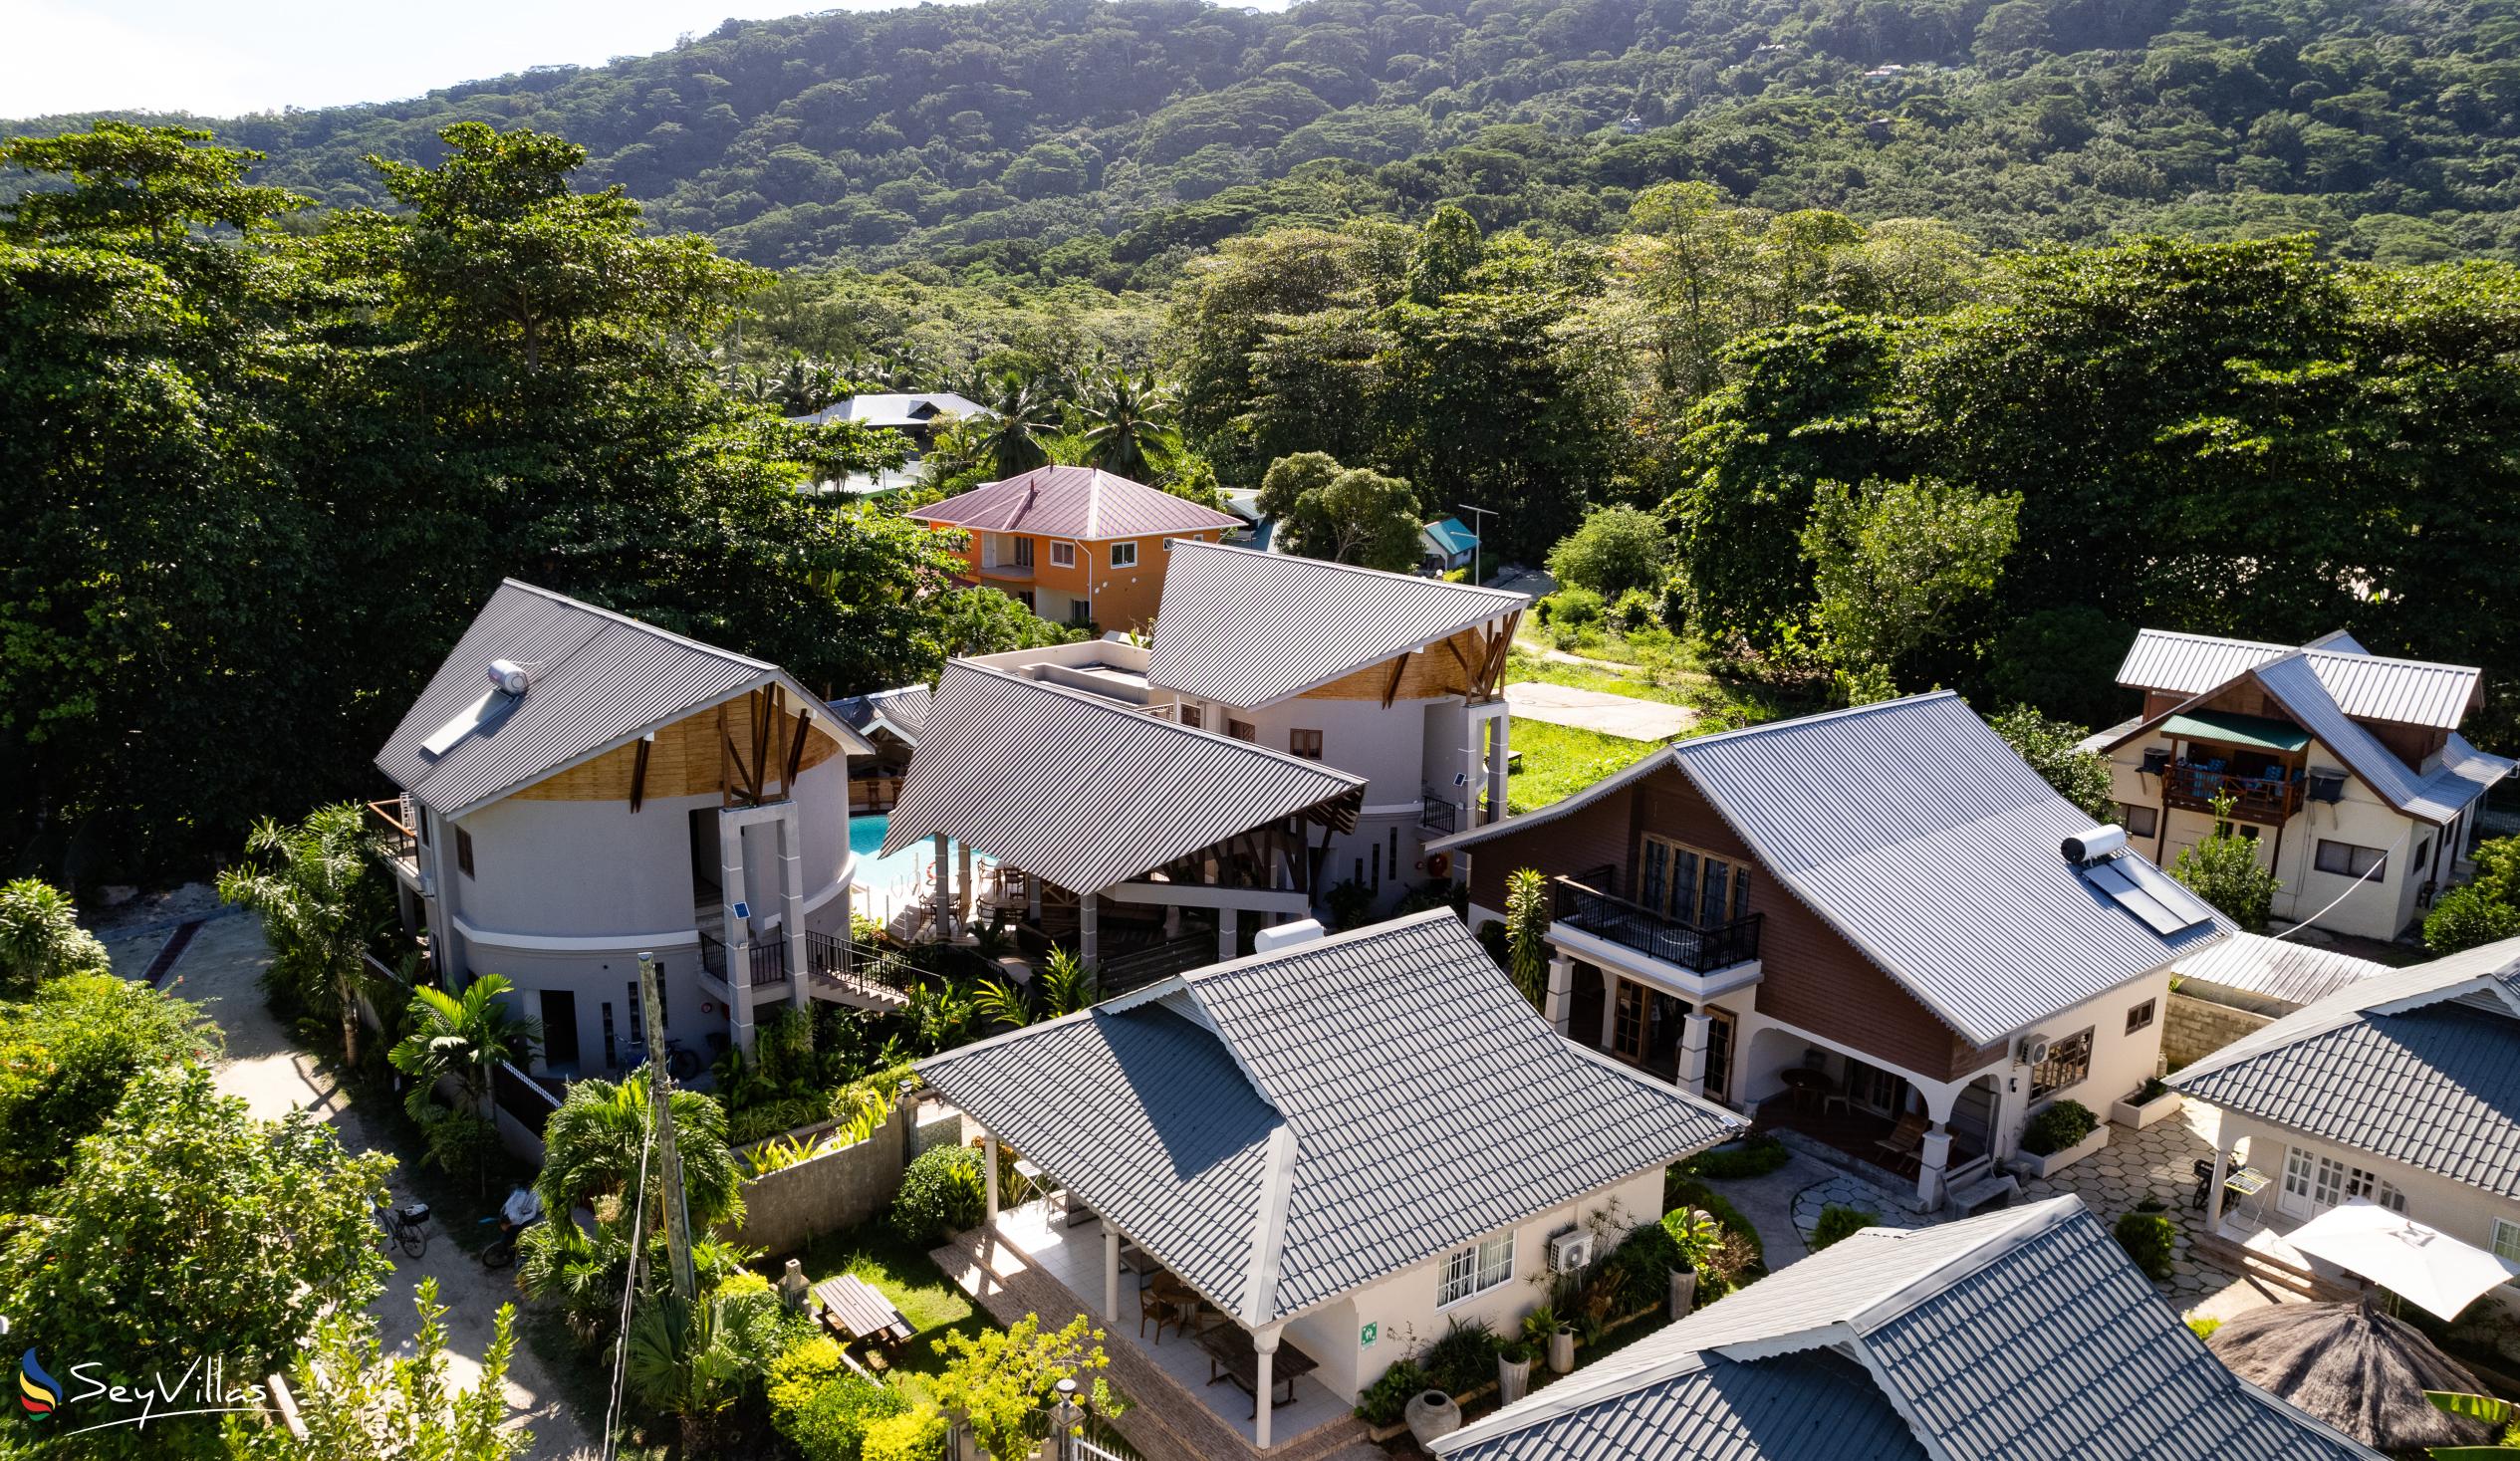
(786, 1209)
(2194, 1028)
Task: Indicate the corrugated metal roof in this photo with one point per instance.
(2277, 969)
(1084, 792)
(2465, 773)
(2419, 1066)
(1450, 535)
(1084, 503)
(600, 679)
(904, 709)
(895, 409)
(2022, 1335)
(2364, 684)
(1923, 838)
(1915, 832)
(1389, 1083)
(1250, 630)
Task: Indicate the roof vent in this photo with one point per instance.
(509, 676)
(1286, 935)
(2085, 848)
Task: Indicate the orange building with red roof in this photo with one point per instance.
(1076, 545)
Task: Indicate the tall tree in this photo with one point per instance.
(466, 1037)
(1128, 430)
(314, 883)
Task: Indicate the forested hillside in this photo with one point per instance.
(1110, 141)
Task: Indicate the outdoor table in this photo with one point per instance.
(2244, 1185)
(852, 1306)
(1811, 1088)
(1230, 1357)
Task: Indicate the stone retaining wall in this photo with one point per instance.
(2194, 1028)
(787, 1209)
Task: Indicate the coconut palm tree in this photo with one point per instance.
(1129, 427)
(315, 911)
(592, 1149)
(464, 1035)
(1024, 413)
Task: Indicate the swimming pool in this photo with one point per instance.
(906, 868)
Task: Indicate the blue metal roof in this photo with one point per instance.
(1451, 535)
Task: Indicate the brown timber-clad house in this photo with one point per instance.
(1862, 925)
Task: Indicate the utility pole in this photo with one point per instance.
(1478, 537)
(686, 1284)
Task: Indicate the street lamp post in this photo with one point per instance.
(1478, 538)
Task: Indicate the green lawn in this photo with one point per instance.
(1559, 759)
(1634, 683)
(911, 1282)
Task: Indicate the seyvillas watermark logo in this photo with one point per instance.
(37, 1391)
(202, 1388)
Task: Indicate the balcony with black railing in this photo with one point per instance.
(1439, 815)
(1582, 903)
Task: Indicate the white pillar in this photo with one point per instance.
(1691, 1076)
(1932, 1160)
(1610, 1005)
(1110, 1271)
(1171, 923)
(988, 1159)
(1089, 929)
(1228, 932)
(1264, 1347)
(2213, 1194)
(735, 933)
(1499, 751)
(792, 900)
(1555, 1006)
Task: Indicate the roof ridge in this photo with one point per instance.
(1087, 697)
(1204, 972)
(1350, 567)
(2022, 1223)
(1844, 712)
(641, 624)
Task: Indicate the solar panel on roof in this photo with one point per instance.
(2168, 891)
(481, 714)
(2123, 880)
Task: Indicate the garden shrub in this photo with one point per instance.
(1634, 611)
(831, 1422)
(2204, 1329)
(1682, 1193)
(773, 1117)
(1645, 1258)
(1755, 1157)
(915, 1436)
(1838, 1221)
(2149, 1238)
(2057, 1128)
(1573, 608)
(942, 1193)
(1386, 1398)
(1463, 1360)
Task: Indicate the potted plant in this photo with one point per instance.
(1541, 1331)
(1431, 1413)
(2143, 1105)
(1513, 1371)
(2060, 1135)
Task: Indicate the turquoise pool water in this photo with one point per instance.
(904, 869)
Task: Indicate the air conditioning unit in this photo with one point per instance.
(1571, 1250)
(2034, 1050)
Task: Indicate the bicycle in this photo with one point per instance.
(501, 1250)
(406, 1226)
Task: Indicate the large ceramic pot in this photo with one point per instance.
(1562, 1350)
(1431, 1413)
(1513, 1378)
(1684, 1292)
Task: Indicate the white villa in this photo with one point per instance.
(579, 788)
(2346, 766)
(1329, 1151)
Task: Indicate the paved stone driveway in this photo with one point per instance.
(2155, 1162)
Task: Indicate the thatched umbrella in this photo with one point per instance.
(2359, 1370)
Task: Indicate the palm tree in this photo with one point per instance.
(1023, 413)
(691, 1359)
(593, 1144)
(308, 891)
(464, 1035)
(1127, 424)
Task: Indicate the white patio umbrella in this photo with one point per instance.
(2417, 1263)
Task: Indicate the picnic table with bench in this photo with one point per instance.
(855, 1310)
(1230, 1357)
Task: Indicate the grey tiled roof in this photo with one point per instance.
(895, 409)
(600, 679)
(1084, 792)
(2419, 1066)
(2025, 1335)
(1281, 1129)
(1249, 628)
(2277, 969)
(1917, 832)
(1084, 503)
(1813, 1406)
(2361, 683)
